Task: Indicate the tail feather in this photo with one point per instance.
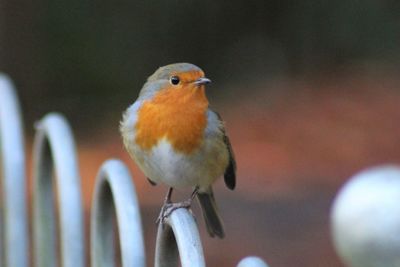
(213, 221)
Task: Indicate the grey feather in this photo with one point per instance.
(208, 207)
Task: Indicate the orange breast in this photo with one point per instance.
(177, 114)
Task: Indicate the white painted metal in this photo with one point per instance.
(178, 239)
(55, 167)
(366, 218)
(252, 261)
(14, 236)
(115, 196)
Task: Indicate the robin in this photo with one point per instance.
(176, 139)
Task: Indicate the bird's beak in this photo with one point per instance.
(202, 81)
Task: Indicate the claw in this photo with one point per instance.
(168, 208)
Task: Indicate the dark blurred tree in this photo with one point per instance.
(1, 33)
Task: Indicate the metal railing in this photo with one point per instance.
(13, 230)
(115, 193)
(58, 222)
(55, 162)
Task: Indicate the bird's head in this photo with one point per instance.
(184, 76)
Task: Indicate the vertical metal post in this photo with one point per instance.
(55, 159)
(115, 194)
(179, 237)
(14, 237)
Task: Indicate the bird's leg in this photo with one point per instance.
(167, 199)
(186, 203)
(169, 207)
(164, 208)
(189, 201)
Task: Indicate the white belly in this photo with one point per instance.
(163, 165)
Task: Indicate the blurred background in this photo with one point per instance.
(309, 91)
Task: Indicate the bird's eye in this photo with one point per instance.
(174, 80)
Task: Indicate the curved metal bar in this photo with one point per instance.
(115, 194)
(252, 261)
(14, 235)
(179, 236)
(54, 155)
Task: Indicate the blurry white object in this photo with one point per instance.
(366, 218)
(252, 261)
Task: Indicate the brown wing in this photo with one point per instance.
(230, 171)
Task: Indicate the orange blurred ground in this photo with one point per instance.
(294, 148)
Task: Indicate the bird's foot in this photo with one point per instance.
(169, 207)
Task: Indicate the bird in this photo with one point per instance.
(177, 140)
